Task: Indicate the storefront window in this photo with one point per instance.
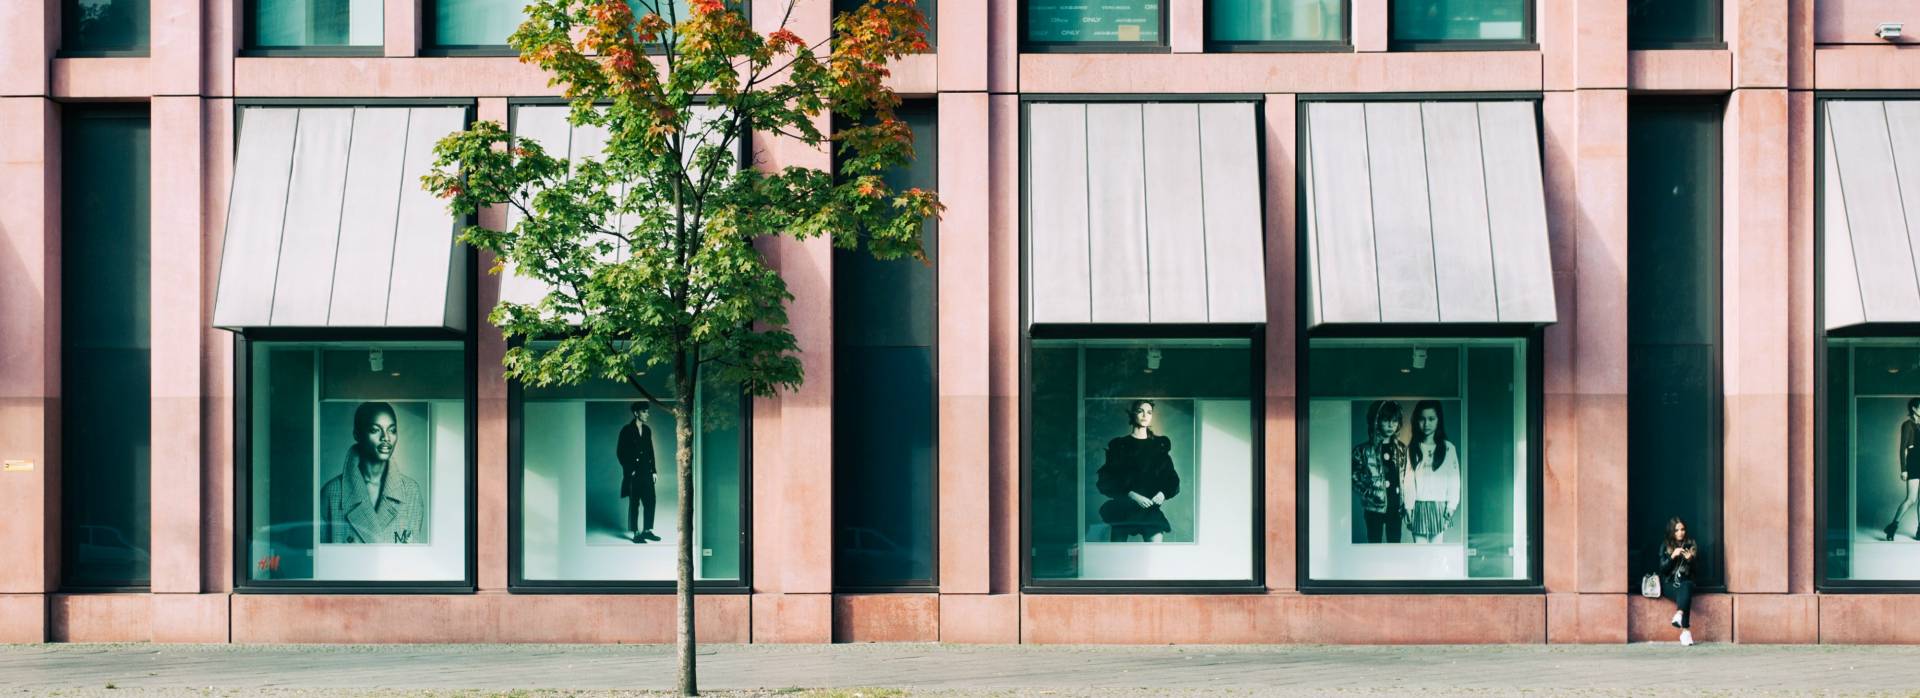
(1440, 22)
(1096, 25)
(1872, 459)
(1673, 24)
(311, 23)
(358, 462)
(1141, 460)
(1253, 22)
(598, 489)
(1419, 460)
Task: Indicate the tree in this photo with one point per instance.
(692, 296)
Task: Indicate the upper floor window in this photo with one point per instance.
(103, 26)
(302, 24)
(1461, 24)
(1110, 25)
(472, 24)
(1257, 24)
(1674, 24)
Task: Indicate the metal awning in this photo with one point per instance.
(328, 225)
(1870, 188)
(1144, 213)
(547, 125)
(1425, 212)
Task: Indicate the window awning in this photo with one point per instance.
(1425, 212)
(1144, 213)
(548, 126)
(328, 225)
(1871, 206)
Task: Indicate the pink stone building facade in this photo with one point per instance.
(1778, 60)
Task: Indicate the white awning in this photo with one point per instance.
(547, 125)
(328, 225)
(1144, 212)
(1425, 212)
(1871, 203)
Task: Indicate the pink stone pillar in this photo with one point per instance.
(174, 36)
(1186, 25)
(1369, 25)
(1583, 43)
(1280, 114)
(1757, 33)
(404, 24)
(216, 360)
(1003, 44)
(1754, 329)
(491, 388)
(961, 46)
(1003, 135)
(29, 33)
(965, 482)
(174, 297)
(1800, 345)
(793, 474)
(29, 364)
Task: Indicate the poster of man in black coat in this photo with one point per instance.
(638, 473)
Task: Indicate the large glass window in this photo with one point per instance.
(358, 462)
(105, 393)
(1419, 461)
(1099, 26)
(884, 314)
(1140, 461)
(1461, 23)
(103, 26)
(1673, 24)
(598, 485)
(278, 24)
(460, 24)
(1872, 459)
(1235, 23)
(1673, 327)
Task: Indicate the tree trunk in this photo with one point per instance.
(683, 385)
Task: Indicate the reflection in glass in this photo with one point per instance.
(1460, 20)
(599, 483)
(105, 405)
(1141, 459)
(1276, 20)
(1417, 459)
(298, 23)
(1872, 459)
(1655, 23)
(1082, 22)
(103, 25)
(358, 461)
(475, 22)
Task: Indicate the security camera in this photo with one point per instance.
(1888, 30)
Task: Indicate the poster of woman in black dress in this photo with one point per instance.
(1138, 479)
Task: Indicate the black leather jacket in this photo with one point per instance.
(1677, 568)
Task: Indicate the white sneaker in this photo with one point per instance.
(1686, 638)
(1676, 619)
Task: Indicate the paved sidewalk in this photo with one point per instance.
(911, 669)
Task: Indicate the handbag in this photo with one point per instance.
(1650, 585)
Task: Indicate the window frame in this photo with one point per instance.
(1529, 41)
(1532, 339)
(518, 583)
(1342, 45)
(1821, 468)
(1718, 40)
(1026, 45)
(1717, 556)
(932, 583)
(1255, 334)
(251, 48)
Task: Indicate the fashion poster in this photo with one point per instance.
(1886, 455)
(374, 466)
(630, 486)
(1139, 480)
(1405, 464)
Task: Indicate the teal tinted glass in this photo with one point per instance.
(884, 316)
(103, 25)
(1084, 22)
(1253, 21)
(1461, 20)
(1656, 23)
(1872, 459)
(1673, 329)
(599, 482)
(104, 346)
(302, 23)
(475, 22)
